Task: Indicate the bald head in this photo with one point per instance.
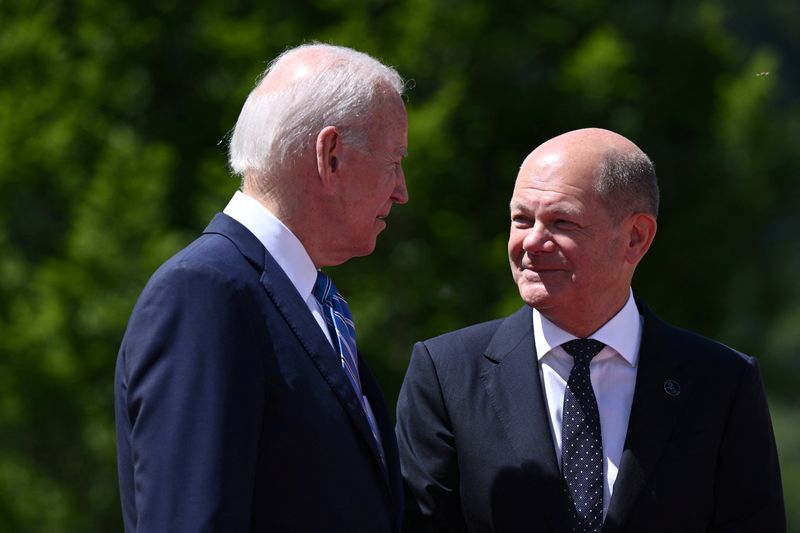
(302, 64)
(295, 66)
(303, 91)
(618, 170)
(588, 142)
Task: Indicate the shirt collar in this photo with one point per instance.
(282, 244)
(622, 333)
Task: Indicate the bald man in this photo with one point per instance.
(582, 411)
(242, 401)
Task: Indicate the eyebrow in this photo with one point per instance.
(557, 208)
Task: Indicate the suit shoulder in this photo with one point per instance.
(459, 352)
(699, 349)
(209, 256)
(466, 340)
(209, 269)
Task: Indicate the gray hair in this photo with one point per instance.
(627, 183)
(341, 89)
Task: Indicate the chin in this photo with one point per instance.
(535, 296)
(364, 249)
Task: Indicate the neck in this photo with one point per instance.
(588, 322)
(280, 196)
(297, 211)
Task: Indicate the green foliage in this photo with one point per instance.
(113, 117)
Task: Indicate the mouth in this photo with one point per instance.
(540, 270)
(544, 269)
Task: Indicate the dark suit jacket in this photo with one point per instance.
(477, 452)
(233, 412)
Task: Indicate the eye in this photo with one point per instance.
(521, 221)
(565, 224)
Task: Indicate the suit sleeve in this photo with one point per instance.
(748, 487)
(428, 455)
(194, 393)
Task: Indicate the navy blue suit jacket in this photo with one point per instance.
(233, 412)
(477, 451)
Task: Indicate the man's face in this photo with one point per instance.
(373, 179)
(567, 255)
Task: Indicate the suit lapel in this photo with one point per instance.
(302, 323)
(297, 316)
(513, 384)
(371, 389)
(654, 413)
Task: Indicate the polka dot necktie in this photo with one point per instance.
(343, 333)
(581, 441)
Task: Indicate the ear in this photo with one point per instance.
(328, 152)
(641, 232)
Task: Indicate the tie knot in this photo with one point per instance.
(324, 289)
(583, 350)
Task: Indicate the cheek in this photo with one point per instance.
(376, 192)
(594, 266)
(514, 252)
(515, 239)
(389, 182)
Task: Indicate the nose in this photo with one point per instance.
(538, 240)
(400, 192)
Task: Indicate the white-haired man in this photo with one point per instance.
(242, 402)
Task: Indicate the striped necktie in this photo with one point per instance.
(343, 334)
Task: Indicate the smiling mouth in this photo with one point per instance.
(540, 270)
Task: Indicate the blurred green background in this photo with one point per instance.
(113, 125)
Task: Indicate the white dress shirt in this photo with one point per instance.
(613, 376)
(282, 244)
